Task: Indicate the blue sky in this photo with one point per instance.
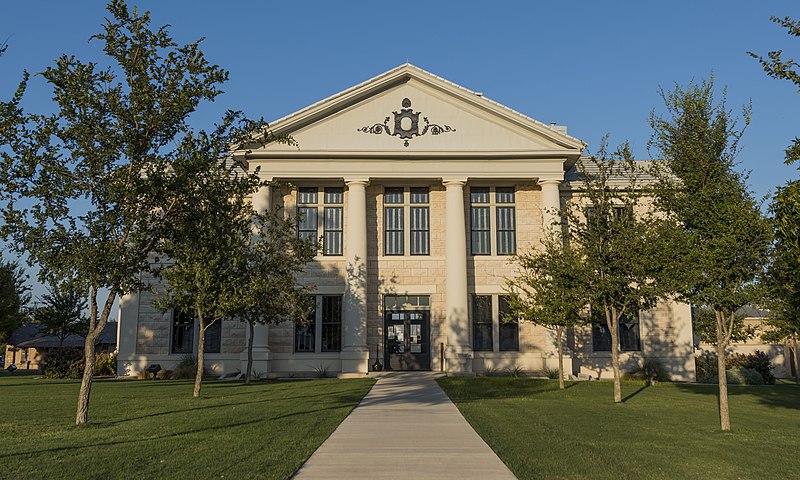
(593, 66)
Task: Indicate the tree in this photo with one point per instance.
(62, 313)
(83, 190)
(550, 290)
(271, 259)
(14, 297)
(783, 275)
(705, 327)
(726, 239)
(622, 241)
(204, 242)
(788, 69)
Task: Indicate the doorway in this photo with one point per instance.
(407, 340)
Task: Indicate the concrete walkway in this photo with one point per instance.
(405, 427)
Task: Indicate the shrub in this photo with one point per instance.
(551, 373)
(321, 371)
(164, 374)
(106, 364)
(185, 369)
(492, 372)
(706, 367)
(740, 376)
(758, 361)
(651, 368)
(516, 371)
(63, 363)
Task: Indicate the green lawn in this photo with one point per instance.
(145, 429)
(666, 431)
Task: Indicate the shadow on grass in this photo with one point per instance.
(637, 392)
(463, 389)
(209, 428)
(785, 396)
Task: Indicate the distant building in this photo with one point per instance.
(28, 346)
(421, 190)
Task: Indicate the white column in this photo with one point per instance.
(262, 203)
(355, 355)
(551, 203)
(457, 328)
(128, 318)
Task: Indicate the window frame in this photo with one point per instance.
(326, 199)
(409, 203)
(176, 314)
(487, 203)
(482, 328)
(509, 325)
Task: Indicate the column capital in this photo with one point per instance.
(356, 181)
(549, 181)
(455, 181)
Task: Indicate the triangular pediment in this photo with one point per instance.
(409, 110)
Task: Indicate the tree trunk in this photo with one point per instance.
(611, 320)
(796, 360)
(201, 343)
(724, 412)
(96, 326)
(559, 336)
(82, 414)
(250, 353)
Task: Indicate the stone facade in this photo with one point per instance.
(449, 141)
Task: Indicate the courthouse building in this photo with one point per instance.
(421, 191)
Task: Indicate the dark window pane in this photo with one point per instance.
(213, 340)
(332, 231)
(504, 194)
(307, 223)
(304, 335)
(509, 327)
(393, 228)
(331, 323)
(482, 323)
(479, 195)
(629, 338)
(420, 195)
(506, 231)
(601, 337)
(393, 195)
(334, 195)
(307, 195)
(182, 332)
(480, 229)
(420, 231)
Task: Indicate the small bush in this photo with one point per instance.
(516, 371)
(106, 364)
(706, 367)
(740, 376)
(185, 369)
(321, 371)
(492, 372)
(651, 369)
(63, 363)
(551, 373)
(758, 361)
(164, 374)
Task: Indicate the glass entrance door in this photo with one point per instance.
(407, 340)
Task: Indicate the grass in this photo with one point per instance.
(665, 431)
(146, 429)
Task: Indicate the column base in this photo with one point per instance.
(261, 362)
(355, 362)
(458, 361)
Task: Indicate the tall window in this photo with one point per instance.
(506, 221)
(331, 323)
(305, 335)
(482, 323)
(393, 221)
(310, 210)
(323, 329)
(182, 332)
(307, 213)
(333, 226)
(420, 221)
(213, 340)
(628, 329)
(480, 224)
(508, 328)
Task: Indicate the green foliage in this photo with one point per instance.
(758, 362)
(551, 373)
(14, 297)
(705, 327)
(185, 369)
(63, 363)
(516, 371)
(740, 376)
(62, 312)
(705, 366)
(106, 364)
(650, 369)
(321, 370)
(784, 69)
